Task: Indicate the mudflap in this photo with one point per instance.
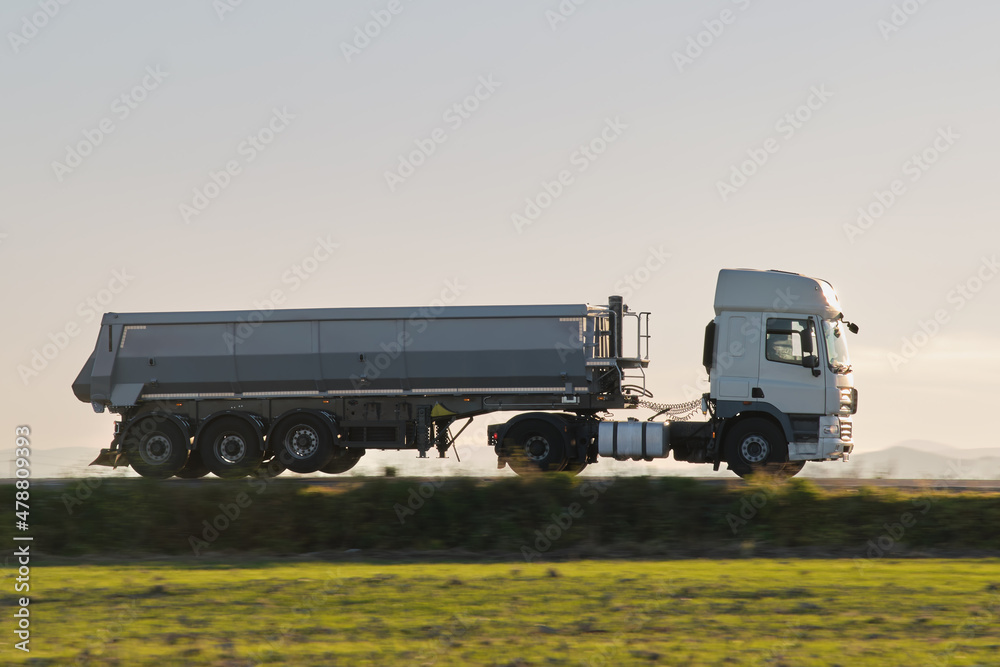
(111, 458)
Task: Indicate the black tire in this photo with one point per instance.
(788, 469)
(533, 446)
(573, 467)
(194, 468)
(303, 443)
(270, 469)
(757, 446)
(156, 447)
(230, 448)
(344, 458)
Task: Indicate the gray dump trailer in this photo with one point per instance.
(311, 390)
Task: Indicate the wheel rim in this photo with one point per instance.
(231, 448)
(536, 448)
(302, 442)
(755, 449)
(155, 449)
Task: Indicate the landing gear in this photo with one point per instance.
(758, 446)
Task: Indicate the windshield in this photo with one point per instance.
(836, 346)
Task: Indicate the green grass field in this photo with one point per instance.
(697, 612)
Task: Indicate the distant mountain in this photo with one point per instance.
(917, 460)
(63, 462)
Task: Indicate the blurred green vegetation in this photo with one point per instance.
(542, 517)
(802, 612)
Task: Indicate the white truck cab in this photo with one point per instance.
(777, 358)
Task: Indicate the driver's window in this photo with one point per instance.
(783, 341)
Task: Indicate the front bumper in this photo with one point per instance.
(836, 438)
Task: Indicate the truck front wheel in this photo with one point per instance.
(757, 445)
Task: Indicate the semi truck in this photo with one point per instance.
(312, 390)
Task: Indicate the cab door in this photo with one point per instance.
(792, 377)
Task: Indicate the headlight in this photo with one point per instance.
(832, 429)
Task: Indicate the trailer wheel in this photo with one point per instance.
(270, 469)
(534, 446)
(757, 445)
(194, 468)
(155, 447)
(343, 460)
(303, 443)
(230, 448)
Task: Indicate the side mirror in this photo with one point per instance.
(807, 340)
(812, 361)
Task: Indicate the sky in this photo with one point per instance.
(215, 155)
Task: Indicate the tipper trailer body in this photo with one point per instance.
(313, 389)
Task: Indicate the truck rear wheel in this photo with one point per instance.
(194, 468)
(755, 446)
(534, 446)
(343, 460)
(271, 468)
(304, 443)
(230, 448)
(155, 447)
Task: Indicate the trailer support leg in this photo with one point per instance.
(424, 426)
